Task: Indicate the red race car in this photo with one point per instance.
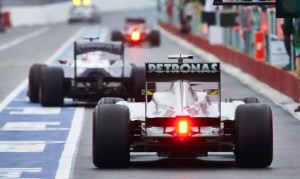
(136, 32)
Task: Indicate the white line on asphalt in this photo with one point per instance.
(21, 99)
(33, 110)
(278, 98)
(22, 146)
(67, 159)
(12, 95)
(21, 87)
(33, 126)
(17, 172)
(68, 156)
(24, 38)
(25, 146)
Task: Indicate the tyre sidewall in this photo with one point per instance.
(254, 135)
(111, 136)
(52, 86)
(34, 81)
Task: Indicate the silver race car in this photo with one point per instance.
(182, 117)
(96, 74)
(136, 32)
(84, 14)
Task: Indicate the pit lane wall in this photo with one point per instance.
(275, 77)
(272, 75)
(38, 15)
(58, 12)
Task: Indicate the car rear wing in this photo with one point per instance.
(85, 47)
(110, 47)
(168, 72)
(135, 20)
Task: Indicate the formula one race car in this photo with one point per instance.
(182, 117)
(84, 14)
(95, 76)
(135, 32)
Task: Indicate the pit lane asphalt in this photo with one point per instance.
(14, 66)
(16, 60)
(286, 162)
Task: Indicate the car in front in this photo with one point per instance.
(136, 32)
(183, 117)
(82, 13)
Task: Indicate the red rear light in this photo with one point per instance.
(135, 35)
(183, 127)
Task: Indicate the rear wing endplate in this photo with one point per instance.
(168, 72)
(110, 47)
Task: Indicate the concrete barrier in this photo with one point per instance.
(38, 15)
(58, 12)
(281, 80)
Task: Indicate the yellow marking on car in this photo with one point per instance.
(213, 92)
(149, 93)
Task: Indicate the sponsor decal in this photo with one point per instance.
(89, 47)
(182, 68)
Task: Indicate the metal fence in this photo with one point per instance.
(7, 3)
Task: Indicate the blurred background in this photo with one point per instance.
(250, 38)
(6, 3)
(251, 30)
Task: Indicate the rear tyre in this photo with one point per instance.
(253, 135)
(116, 36)
(111, 125)
(34, 82)
(155, 38)
(138, 76)
(52, 86)
(109, 100)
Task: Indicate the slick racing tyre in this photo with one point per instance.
(111, 126)
(34, 82)
(248, 100)
(109, 100)
(116, 36)
(52, 87)
(138, 78)
(155, 38)
(253, 135)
